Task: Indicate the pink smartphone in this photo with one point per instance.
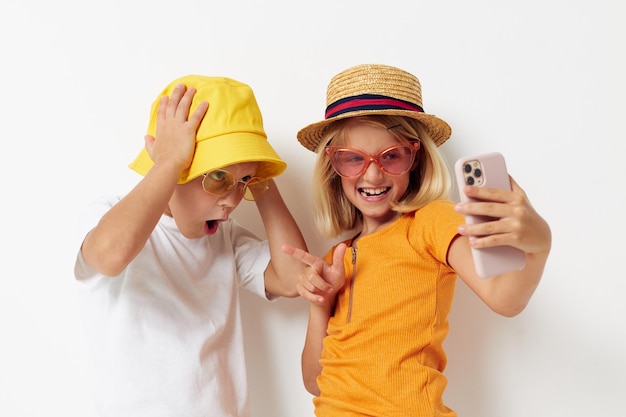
(487, 170)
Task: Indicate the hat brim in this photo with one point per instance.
(222, 151)
(311, 135)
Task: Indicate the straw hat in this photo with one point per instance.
(230, 133)
(372, 89)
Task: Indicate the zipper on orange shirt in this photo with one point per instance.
(354, 250)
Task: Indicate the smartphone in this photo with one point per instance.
(487, 170)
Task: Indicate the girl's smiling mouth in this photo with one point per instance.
(374, 192)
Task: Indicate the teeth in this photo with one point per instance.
(371, 192)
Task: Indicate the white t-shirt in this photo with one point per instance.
(166, 334)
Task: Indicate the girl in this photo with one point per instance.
(380, 299)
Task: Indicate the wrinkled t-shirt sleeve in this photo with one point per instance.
(252, 255)
(88, 219)
(438, 226)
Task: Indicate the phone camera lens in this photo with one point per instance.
(470, 181)
(467, 168)
(478, 173)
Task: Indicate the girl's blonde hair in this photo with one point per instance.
(429, 177)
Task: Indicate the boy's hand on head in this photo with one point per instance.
(176, 130)
(320, 281)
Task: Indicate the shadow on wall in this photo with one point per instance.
(274, 335)
(468, 344)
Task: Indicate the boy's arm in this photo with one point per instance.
(124, 229)
(281, 275)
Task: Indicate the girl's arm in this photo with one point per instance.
(520, 226)
(312, 351)
(319, 284)
(506, 294)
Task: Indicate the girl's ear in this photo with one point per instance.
(418, 148)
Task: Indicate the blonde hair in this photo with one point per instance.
(429, 177)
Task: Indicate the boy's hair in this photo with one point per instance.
(429, 177)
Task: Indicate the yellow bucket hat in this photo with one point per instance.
(230, 133)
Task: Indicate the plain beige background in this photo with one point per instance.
(540, 81)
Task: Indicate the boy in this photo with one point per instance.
(159, 270)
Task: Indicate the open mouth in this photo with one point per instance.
(211, 226)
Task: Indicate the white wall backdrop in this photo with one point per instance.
(541, 81)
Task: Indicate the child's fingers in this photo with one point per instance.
(183, 104)
(171, 105)
(483, 208)
(313, 282)
(162, 112)
(304, 256)
(310, 296)
(149, 143)
(486, 194)
(339, 253)
(198, 114)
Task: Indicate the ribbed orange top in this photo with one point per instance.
(383, 355)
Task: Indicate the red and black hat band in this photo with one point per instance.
(369, 102)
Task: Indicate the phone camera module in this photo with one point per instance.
(473, 173)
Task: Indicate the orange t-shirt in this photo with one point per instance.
(383, 355)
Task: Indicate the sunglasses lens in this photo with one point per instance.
(218, 182)
(255, 186)
(396, 160)
(348, 163)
